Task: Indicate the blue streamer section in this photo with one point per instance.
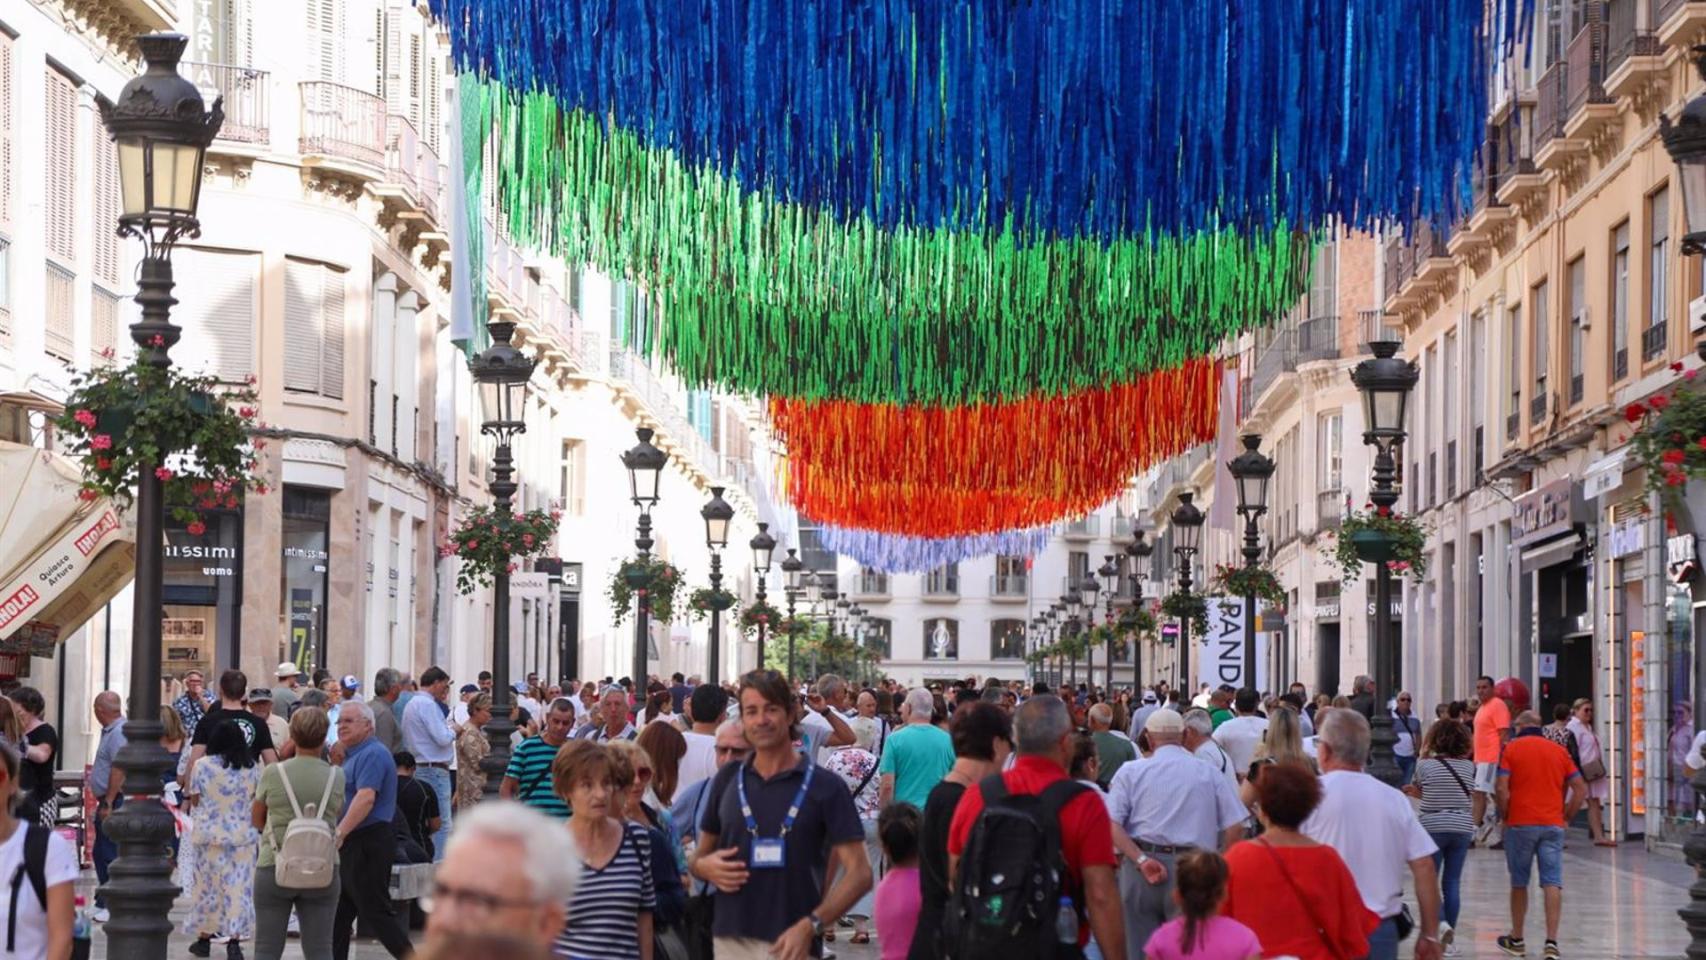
(897, 553)
(1087, 118)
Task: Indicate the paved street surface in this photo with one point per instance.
(1619, 904)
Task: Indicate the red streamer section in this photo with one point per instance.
(956, 471)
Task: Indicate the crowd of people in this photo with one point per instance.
(688, 820)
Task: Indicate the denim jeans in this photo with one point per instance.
(106, 850)
(1406, 768)
(438, 779)
(1523, 844)
(1383, 942)
(1448, 863)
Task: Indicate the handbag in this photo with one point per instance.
(1593, 770)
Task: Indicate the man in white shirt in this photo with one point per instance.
(1199, 740)
(1375, 831)
(1240, 736)
(1161, 808)
(705, 706)
(822, 726)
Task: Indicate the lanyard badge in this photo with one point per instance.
(771, 853)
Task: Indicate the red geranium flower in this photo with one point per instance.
(1676, 479)
(196, 528)
(86, 418)
(1674, 456)
(1634, 412)
(101, 441)
(1659, 402)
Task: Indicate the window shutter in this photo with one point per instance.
(332, 325)
(61, 159)
(414, 79)
(104, 255)
(218, 296)
(326, 39)
(302, 326)
(6, 127)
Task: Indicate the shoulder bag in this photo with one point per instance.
(1308, 908)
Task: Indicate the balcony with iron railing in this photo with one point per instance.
(1632, 51)
(1009, 586)
(1537, 406)
(1678, 21)
(1124, 528)
(1591, 109)
(1552, 149)
(247, 94)
(1329, 509)
(871, 585)
(942, 583)
(1083, 528)
(1273, 359)
(402, 164)
(1653, 341)
(343, 126)
(1513, 420)
(1619, 364)
(1317, 338)
(1577, 386)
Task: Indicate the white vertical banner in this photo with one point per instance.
(1220, 654)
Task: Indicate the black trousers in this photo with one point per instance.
(365, 867)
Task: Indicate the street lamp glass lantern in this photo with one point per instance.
(718, 515)
(161, 133)
(645, 465)
(1187, 525)
(1087, 590)
(791, 567)
(1251, 470)
(1385, 382)
(1110, 574)
(502, 373)
(763, 549)
(1685, 141)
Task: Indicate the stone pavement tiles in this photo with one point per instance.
(1619, 904)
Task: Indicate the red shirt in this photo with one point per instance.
(1290, 908)
(1539, 772)
(1085, 836)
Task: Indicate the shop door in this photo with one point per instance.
(1327, 658)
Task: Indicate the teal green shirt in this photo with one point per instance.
(530, 765)
(919, 755)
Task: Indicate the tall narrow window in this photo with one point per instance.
(60, 120)
(314, 328)
(6, 189)
(1658, 275)
(1578, 270)
(1329, 449)
(1513, 350)
(1542, 350)
(1620, 302)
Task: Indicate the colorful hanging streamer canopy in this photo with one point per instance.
(1096, 118)
(892, 553)
(939, 472)
(763, 297)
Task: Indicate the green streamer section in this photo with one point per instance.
(769, 297)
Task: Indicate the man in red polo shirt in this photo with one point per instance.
(1043, 738)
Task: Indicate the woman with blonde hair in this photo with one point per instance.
(1281, 743)
(10, 730)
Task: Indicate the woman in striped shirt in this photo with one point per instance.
(610, 914)
(1444, 778)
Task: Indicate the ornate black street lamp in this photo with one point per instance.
(162, 132)
(501, 373)
(1109, 572)
(644, 463)
(717, 515)
(791, 567)
(1385, 382)
(763, 550)
(1251, 471)
(1138, 551)
(1187, 538)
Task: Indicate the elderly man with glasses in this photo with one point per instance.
(1408, 729)
(509, 870)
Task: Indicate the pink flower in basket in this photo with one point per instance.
(86, 418)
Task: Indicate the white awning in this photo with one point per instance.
(1604, 475)
(61, 558)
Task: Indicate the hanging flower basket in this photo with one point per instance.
(658, 581)
(193, 432)
(1671, 439)
(759, 614)
(487, 541)
(1139, 621)
(1241, 581)
(1381, 535)
(705, 601)
(1184, 606)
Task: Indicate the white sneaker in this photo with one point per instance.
(293, 928)
(1451, 950)
(101, 915)
(1446, 934)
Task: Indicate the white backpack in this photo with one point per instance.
(308, 857)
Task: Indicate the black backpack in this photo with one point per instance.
(1011, 877)
(33, 869)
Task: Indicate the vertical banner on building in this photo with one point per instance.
(1638, 723)
(1220, 656)
(301, 626)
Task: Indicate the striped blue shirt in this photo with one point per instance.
(530, 766)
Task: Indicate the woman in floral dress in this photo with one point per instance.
(222, 877)
(857, 765)
(471, 748)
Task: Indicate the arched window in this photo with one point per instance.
(878, 637)
(941, 638)
(1007, 639)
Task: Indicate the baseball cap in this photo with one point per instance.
(1164, 721)
(260, 695)
(287, 670)
(469, 688)
(350, 682)
(1149, 696)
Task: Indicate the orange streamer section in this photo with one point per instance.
(953, 471)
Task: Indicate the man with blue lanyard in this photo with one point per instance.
(770, 825)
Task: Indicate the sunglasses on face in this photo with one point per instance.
(734, 751)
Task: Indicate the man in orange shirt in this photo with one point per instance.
(1492, 732)
(1539, 790)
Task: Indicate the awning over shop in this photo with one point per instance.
(61, 558)
(1605, 474)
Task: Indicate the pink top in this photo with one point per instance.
(898, 899)
(1219, 938)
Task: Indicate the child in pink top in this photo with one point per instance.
(1199, 933)
(898, 896)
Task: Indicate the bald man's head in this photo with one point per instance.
(107, 707)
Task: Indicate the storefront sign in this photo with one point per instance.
(1221, 652)
(1628, 537)
(572, 579)
(1681, 557)
(301, 625)
(1548, 666)
(1637, 723)
(1325, 611)
(1603, 475)
(1543, 513)
(532, 586)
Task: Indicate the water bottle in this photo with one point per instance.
(1066, 922)
(82, 925)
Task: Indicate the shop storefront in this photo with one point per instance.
(1670, 679)
(305, 569)
(1555, 632)
(202, 580)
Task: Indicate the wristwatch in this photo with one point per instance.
(817, 925)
